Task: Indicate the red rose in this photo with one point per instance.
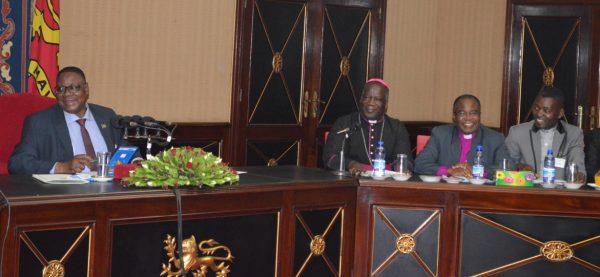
(173, 152)
(189, 165)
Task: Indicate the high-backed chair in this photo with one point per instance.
(421, 142)
(13, 110)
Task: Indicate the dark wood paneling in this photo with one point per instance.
(277, 193)
(555, 206)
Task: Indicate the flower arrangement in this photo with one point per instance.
(183, 166)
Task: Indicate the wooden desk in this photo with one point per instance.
(422, 229)
(267, 221)
(271, 217)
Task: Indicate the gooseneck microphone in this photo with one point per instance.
(142, 124)
(350, 129)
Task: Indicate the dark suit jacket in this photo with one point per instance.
(45, 139)
(592, 153)
(395, 137)
(443, 148)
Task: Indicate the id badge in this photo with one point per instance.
(560, 162)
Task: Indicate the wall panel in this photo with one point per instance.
(168, 59)
(437, 50)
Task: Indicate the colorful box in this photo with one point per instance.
(515, 178)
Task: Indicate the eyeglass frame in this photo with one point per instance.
(463, 114)
(78, 88)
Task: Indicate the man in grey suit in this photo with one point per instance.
(53, 140)
(529, 142)
(451, 148)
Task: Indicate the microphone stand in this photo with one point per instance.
(341, 170)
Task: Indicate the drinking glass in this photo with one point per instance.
(401, 165)
(507, 165)
(572, 172)
(103, 159)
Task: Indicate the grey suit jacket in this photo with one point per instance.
(443, 149)
(524, 145)
(45, 139)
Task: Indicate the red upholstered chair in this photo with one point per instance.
(421, 142)
(13, 110)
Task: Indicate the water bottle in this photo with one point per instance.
(549, 171)
(478, 167)
(379, 161)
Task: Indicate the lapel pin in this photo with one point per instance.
(103, 126)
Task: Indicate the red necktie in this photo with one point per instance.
(87, 141)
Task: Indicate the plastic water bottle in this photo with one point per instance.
(549, 171)
(379, 161)
(478, 167)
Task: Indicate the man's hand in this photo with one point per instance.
(76, 165)
(523, 167)
(355, 168)
(463, 170)
(580, 178)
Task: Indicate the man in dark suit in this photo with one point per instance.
(54, 140)
(365, 129)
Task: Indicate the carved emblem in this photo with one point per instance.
(277, 62)
(405, 244)
(194, 263)
(317, 245)
(548, 77)
(556, 251)
(345, 66)
(54, 269)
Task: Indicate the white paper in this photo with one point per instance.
(60, 179)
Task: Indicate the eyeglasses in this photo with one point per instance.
(72, 88)
(463, 114)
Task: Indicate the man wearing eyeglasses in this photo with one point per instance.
(451, 149)
(65, 137)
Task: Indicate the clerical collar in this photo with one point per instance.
(370, 121)
(467, 136)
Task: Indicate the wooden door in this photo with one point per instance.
(299, 65)
(550, 43)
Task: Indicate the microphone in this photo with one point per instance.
(136, 119)
(149, 121)
(120, 122)
(349, 129)
(157, 123)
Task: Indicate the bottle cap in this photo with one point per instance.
(550, 152)
(380, 143)
(479, 147)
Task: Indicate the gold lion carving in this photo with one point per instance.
(198, 265)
